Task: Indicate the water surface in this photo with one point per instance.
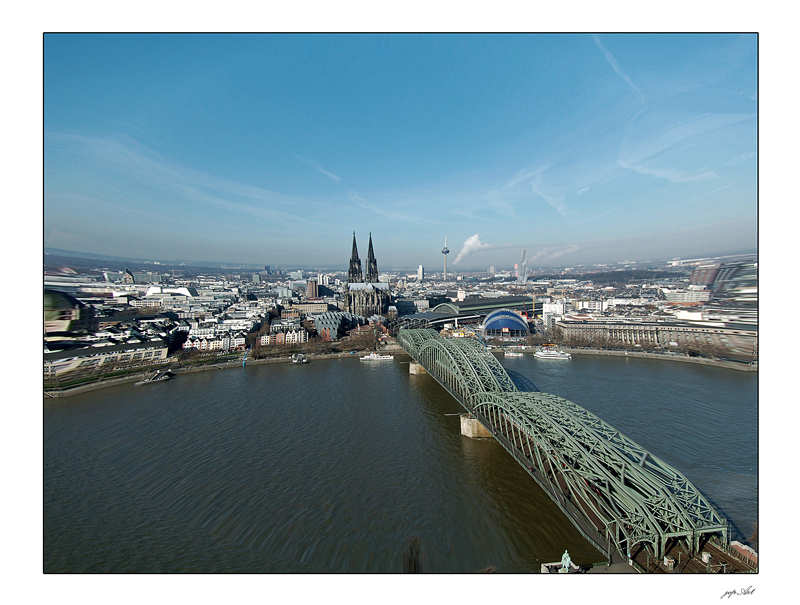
(335, 465)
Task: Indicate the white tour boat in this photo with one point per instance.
(513, 354)
(551, 354)
(376, 357)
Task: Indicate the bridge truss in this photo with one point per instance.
(612, 489)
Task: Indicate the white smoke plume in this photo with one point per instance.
(551, 253)
(473, 244)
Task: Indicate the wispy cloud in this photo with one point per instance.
(90, 115)
(615, 66)
(555, 201)
(499, 203)
(497, 197)
(319, 168)
(584, 190)
(742, 158)
(669, 152)
(671, 174)
(386, 210)
(134, 173)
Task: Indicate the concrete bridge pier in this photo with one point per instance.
(416, 368)
(471, 427)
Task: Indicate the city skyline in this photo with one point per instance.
(274, 148)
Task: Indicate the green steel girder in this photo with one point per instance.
(475, 368)
(610, 490)
(626, 493)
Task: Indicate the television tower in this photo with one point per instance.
(445, 252)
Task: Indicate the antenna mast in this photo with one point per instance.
(445, 252)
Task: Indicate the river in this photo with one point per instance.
(336, 465)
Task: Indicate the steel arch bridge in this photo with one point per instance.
(612, 489)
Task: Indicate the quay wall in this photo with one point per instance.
(206, 367)
(733, 365)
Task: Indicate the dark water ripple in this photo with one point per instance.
(334, 466)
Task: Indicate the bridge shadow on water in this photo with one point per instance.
(521, 382)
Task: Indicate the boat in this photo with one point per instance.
(551, 354)
(157, 377)
(513, 354)
(376, 357)
(299, 358)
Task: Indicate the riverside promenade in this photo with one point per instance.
(720, 363)
(390, 347)
(206, 366)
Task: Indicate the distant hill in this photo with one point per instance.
(626, 276)
(54, 256)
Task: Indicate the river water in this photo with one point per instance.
(336, 465)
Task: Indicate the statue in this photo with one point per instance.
(566, 563)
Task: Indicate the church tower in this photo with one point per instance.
(354, 274)
(372, 265)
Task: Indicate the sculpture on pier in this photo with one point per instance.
(566, 563)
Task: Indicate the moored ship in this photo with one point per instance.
(546, 353)
(376, 357)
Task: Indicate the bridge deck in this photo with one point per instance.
(619, 496)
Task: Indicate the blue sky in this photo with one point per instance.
(273, 149)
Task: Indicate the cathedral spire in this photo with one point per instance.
(372, 265)
(354, 274)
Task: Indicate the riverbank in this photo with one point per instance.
(389, 348)
(208, 366)
(719, 363)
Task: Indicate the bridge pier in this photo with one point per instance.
(416, 368)
(472, 427)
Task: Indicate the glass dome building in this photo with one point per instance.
(504, 323)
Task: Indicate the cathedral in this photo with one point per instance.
(366, 295)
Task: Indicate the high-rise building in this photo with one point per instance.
(522, 275)
(312, 289)
(256, 278)
(420, 273)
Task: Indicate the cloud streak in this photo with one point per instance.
(382, 210)
(316, 166)
(126, 169)
(615, 66)
(742, 158)
(668, 152)
(556, 202)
